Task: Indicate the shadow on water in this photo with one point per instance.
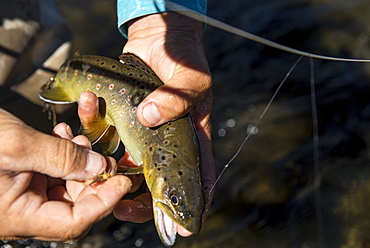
(268, 196)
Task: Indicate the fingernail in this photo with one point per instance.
(151, 114)
(95, 163)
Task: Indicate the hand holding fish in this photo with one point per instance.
(36, 174)
(173, 46)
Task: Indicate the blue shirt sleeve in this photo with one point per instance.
(130, 9)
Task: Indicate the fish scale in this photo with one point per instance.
(167, 155)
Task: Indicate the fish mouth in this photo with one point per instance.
(166, 223)
(166, 227)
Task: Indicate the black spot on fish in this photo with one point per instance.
(180, 173)
(163, 157)
(113, 66)
(102, 63)
(159, 169)
(165, 179)
(174, 156)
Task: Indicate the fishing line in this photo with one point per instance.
(316, 160)
(231, 29)
(254, 127)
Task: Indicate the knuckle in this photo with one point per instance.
(66, 156)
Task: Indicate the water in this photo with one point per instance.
(269, 196)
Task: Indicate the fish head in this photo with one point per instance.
(176, 192)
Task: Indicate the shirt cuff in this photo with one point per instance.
(131, 9)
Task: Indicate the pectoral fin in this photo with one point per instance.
(95, 130)
(56, 95)
(109, 142)
(101, 131)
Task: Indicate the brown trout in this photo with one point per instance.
(167, 155)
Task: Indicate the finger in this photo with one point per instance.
(88, 107)
(62, 130)
(92, 208)
(183, 232)
(136, 181)
(59, 193)
(138, 210)
(30, 150)
(202, 122)
(82, 141)
(127, 160)
(75, 220)
(176, 98)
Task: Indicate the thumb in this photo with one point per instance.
(25, 149)
(62, 158)
(185, 89)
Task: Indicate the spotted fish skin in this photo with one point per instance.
(167, 155)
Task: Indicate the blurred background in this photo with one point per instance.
(273, 194)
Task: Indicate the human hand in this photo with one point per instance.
(35, 169)
(172, 45)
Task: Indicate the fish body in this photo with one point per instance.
(167, 155)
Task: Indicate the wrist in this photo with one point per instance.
(166, 23)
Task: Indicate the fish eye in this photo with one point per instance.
(174, 199)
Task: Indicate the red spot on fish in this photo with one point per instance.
(132, 124)
(155, 132)
(123, 91)
(134, 109)
(78, 82)
(113, 101)
(98, 86)
(129, 97)
(75, 72)
(111, 86)
(89, 76)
